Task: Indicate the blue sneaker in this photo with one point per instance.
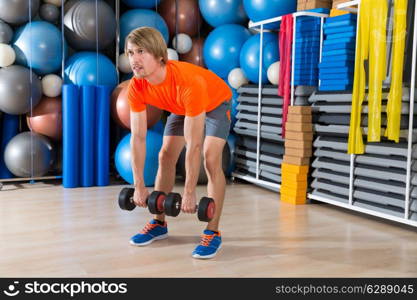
(151, 232)
(210, 243)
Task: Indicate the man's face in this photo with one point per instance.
(143, 63)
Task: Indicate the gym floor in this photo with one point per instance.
(48, 231)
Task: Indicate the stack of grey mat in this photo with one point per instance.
(379, 175)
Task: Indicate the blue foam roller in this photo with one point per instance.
(336, 64)
(10, 127)
(88, 106)
(102, 144)
(341, 18)
(70, 140)
(340, 35)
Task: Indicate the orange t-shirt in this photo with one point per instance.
(187, 90)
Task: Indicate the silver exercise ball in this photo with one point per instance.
(82, 28)
(49, 12)
(29, 154)
(15, 12)
(6, 33)
(19, 88)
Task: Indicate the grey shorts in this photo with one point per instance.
(217, 122)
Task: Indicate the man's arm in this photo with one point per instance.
(138, 125)
(193, 134)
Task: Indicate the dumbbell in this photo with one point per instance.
(155, 201)
(205, 208)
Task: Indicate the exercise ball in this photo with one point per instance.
(202, 176)
(15, 12)
(264, 9)
(39, 44)
(7, 55)
(136, 18)
(123, 157)
(18, 89)
(49, 12)
(186, 20)
(86, 28)
(249, 56)
(182, 43)
(46, 118)
(82, 67)
(51, 85)
(231, 142)
(222, 48)
(237, 78)
(6, 33)
(29, 154)
(172, 54)
(220, 12)
(54, 2)
(273, 73)
(141, 3)
(195, 55)
(120, 109)
(124, 65)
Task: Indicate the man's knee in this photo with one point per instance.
(167, 158)
(212, 163)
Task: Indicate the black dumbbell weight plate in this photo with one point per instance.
(206, 209)
(156, 202)
(172, 205)
(126, 199)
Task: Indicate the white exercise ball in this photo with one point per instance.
(182, 43)
(7, 55)
(237, 78)
(51, 85)
(172, 54)
(273, 73)
(124, 65)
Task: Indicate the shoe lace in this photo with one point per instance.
(148, 227)
(206, 239)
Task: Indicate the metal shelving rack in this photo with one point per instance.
(350, 205)
(255, 25)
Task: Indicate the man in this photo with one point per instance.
(199, 102)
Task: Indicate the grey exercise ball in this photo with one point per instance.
(16, 91)
(49, 12)
(16, 11)
(82, 28)
(202, 177)
(6, 33)
(29, 154)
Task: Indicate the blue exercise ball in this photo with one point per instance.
(123, 157)
(220, 12)
(141, 3)
(82, 67)
(222, 47)
(39, 44)
(135, 18)
(249, 56)
(264, 9)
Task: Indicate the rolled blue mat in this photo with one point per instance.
(70, 140)
(102, 143)
(10, 128)
(88, 106)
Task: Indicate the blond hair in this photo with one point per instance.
(149, 39)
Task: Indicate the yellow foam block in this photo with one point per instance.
(297, 185)
(294, 200)
(293, 192)
(285, 176)
(287, 168)
(337, 12)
